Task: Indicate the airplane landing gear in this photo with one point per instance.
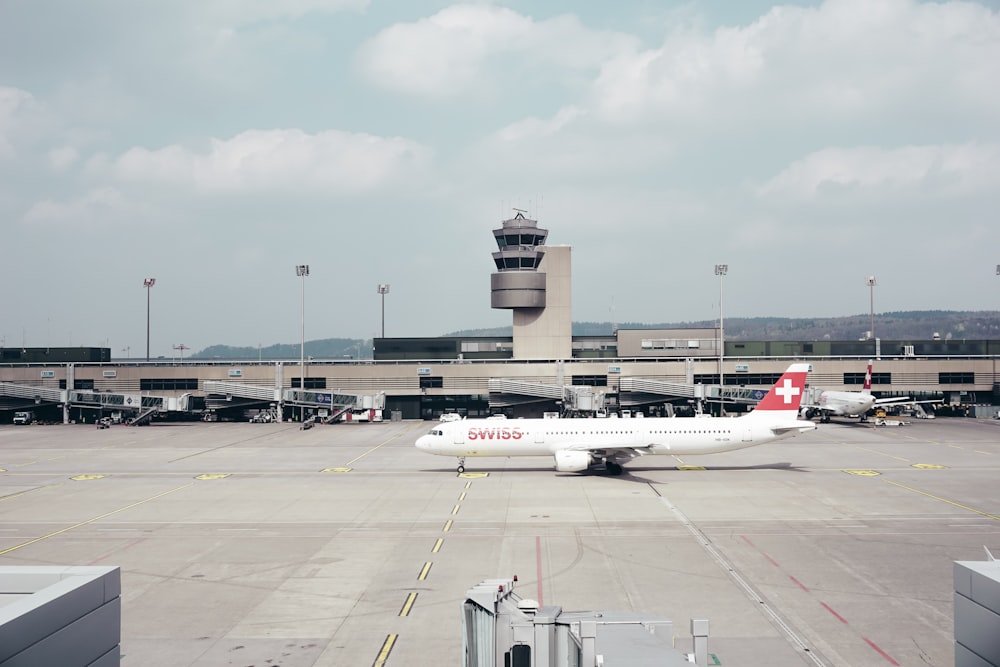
(461, 465)
(612, 468)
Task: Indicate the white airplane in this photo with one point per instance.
(579, 444)
(852, 403)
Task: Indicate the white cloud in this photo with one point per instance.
(63, 157)
(99, 208)
(279, 161)
(20, 114)
(481, 47)
(948, 169)
(845, 60)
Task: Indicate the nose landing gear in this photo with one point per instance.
(461, 465)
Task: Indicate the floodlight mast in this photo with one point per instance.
(871, 282)
(148, 284)
(302, 270)
(383, 289)
(721, 270)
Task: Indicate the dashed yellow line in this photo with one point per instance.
(461, 497)
(383, 655)
(408, 605)
(447, 526)
(468, 484)
(454, 510)
(437, 545)
(424, 571)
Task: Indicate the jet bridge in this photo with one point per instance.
(237, 395)
(142, 406)
(579, 398)
(637, 391)
(30, 394)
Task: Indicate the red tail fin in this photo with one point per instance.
(868, 378)
(786, 394)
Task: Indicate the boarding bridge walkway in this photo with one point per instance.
(31, 393)
(144, 407)
(709, 392)
(220, 395)
(506, 393)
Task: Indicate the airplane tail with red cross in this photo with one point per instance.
(867, 387)
(783, 400)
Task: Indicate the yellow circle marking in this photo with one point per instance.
(929, 466)
(473, 475)
(213, 475)
(86, 478)
(691, 468)
(336, 470)
(3, 470)
(863, 473)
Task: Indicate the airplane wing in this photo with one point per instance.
(610, 450)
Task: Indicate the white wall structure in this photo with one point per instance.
(66, 616)
(977, 613)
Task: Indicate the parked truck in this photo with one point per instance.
(24, 417)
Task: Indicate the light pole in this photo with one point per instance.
(721, 270)
(302, 270)
(383, 289)
(148, 284)
(181, 347)
(871, 304)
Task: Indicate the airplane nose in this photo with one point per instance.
(422, 443)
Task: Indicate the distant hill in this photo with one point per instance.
(904, 325)
(329, 348)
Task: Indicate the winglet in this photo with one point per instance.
(786, 394)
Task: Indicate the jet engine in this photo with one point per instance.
(573, 461)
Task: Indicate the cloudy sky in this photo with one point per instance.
(215, 144)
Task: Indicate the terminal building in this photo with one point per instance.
(542, 368)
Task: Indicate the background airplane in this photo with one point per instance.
(579, 444)
(831, 403)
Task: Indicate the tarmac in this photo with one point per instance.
(263, 544)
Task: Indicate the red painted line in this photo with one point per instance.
(881, 652)
(538, 567)
(839, 617)
(798, 583)
(747, 540)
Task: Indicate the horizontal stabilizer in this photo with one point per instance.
(792, 427)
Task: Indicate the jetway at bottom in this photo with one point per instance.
(501, 628)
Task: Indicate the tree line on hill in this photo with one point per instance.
(903, 325)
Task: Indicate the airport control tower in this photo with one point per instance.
(533, 280)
